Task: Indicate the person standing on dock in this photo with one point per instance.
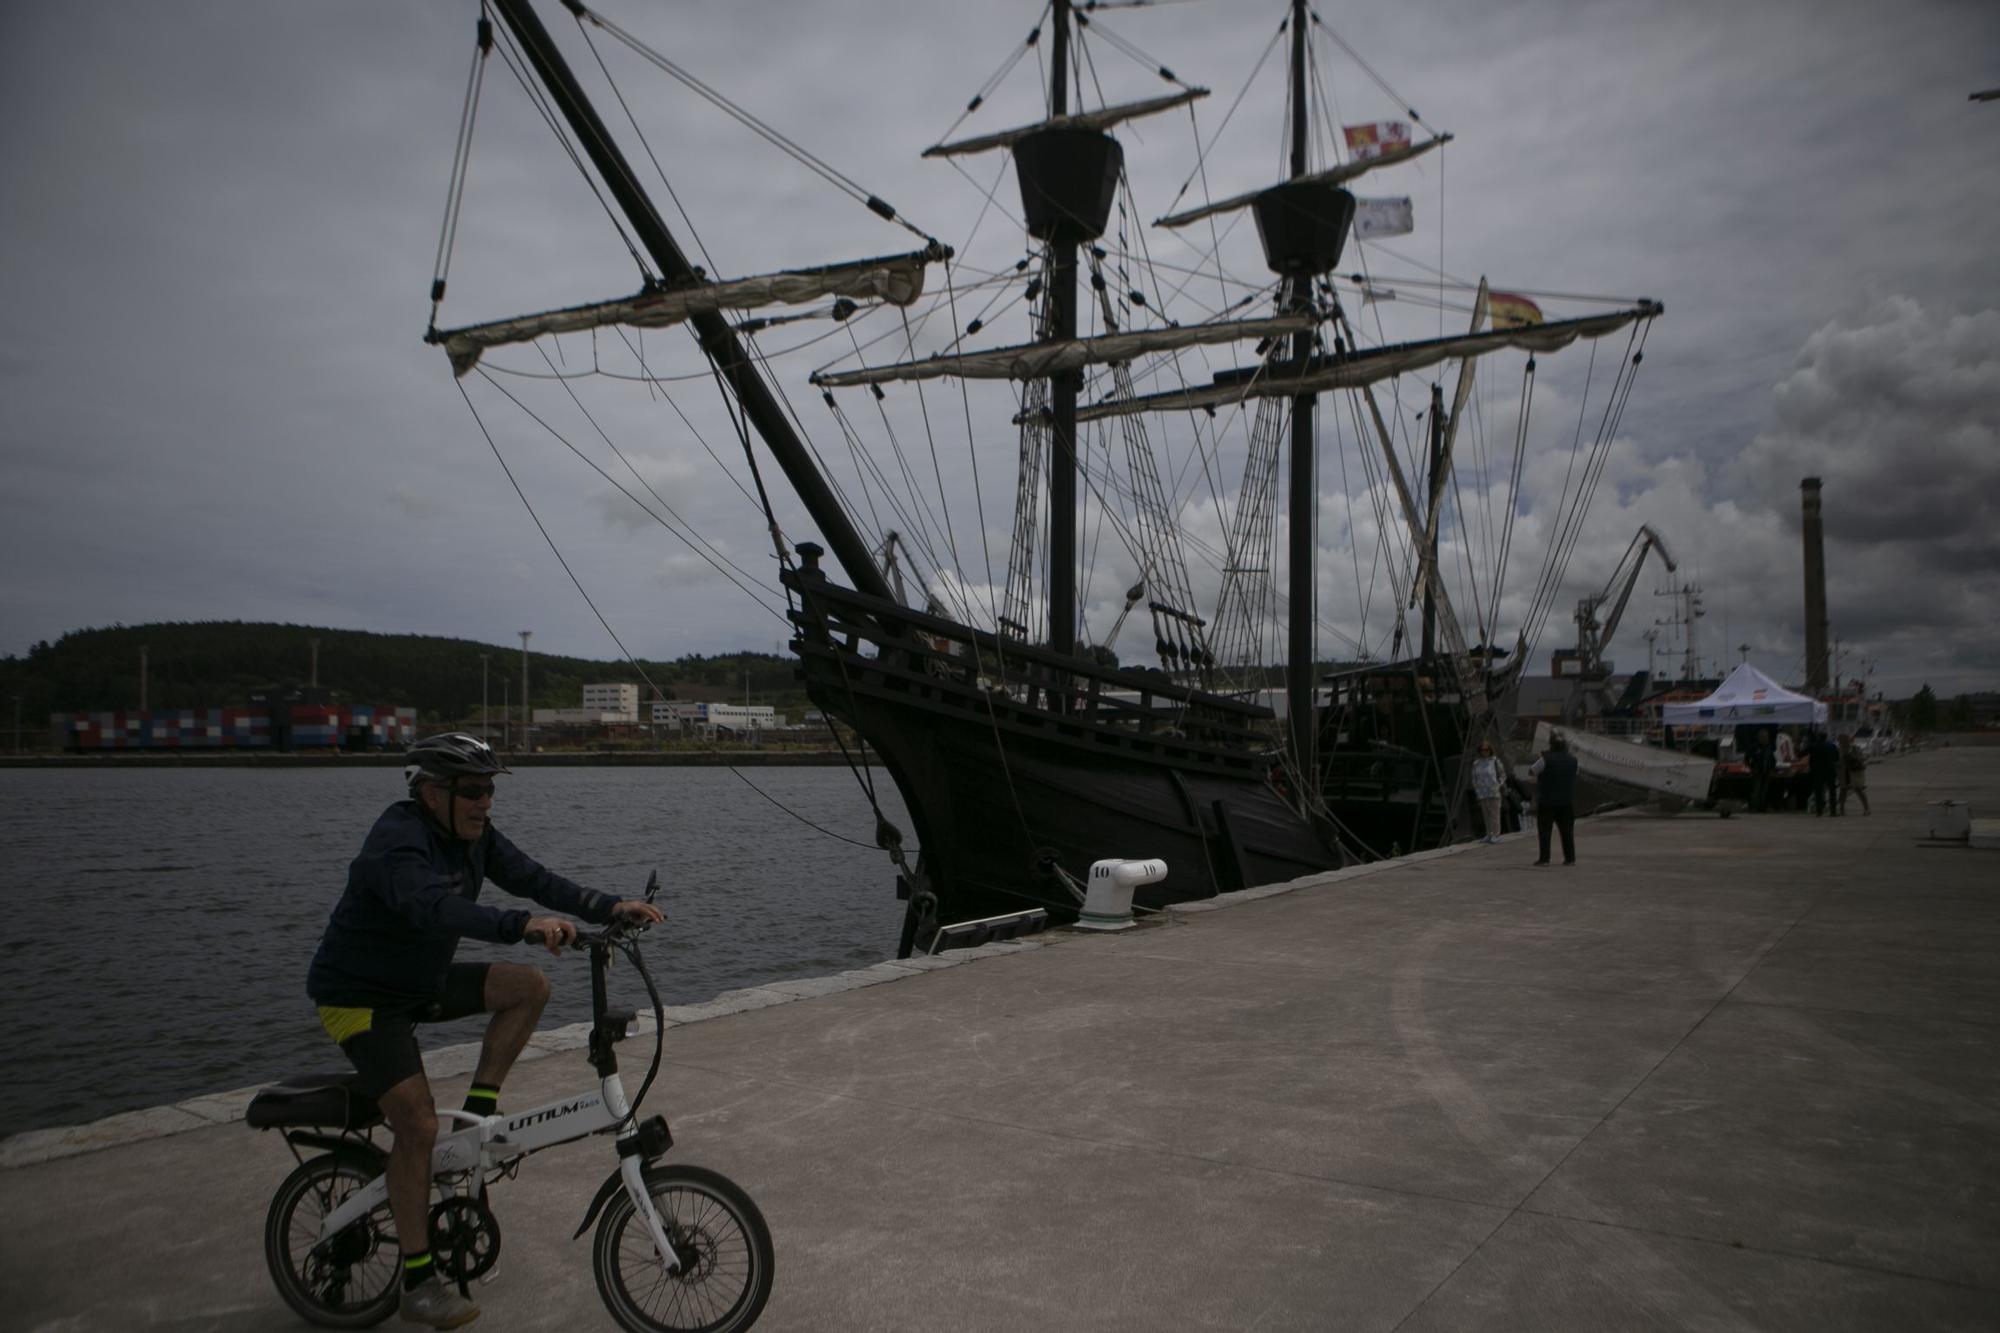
(1486, 789)
(1823, 773)
(1760, 764)
(1555, 798)
(1853, 774)
(385, 965)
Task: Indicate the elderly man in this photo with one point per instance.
(1555, 798)
(385, 965)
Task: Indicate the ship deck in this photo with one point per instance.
(1736, 1073)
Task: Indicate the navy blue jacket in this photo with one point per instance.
(1555, 785)
(412, 895)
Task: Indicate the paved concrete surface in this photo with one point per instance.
(1723, 1074)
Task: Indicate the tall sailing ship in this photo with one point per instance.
(1024, 749)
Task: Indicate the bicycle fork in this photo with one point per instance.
(632, 1170)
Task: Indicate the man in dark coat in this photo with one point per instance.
(386, 964)
(1760, 763)
(1555, 798)
(1823, 772)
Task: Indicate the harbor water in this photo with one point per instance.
(158, 922)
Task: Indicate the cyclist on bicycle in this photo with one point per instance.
(385, 964)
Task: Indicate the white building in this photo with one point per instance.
(679, 710)
(618, 699)
(742, 717)
(580, 717)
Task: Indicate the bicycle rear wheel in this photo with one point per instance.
(355, 1278)
(721, 1240)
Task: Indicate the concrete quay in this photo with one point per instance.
(1722, 1074)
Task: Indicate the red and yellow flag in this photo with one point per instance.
(1509, 311)
(1375, 139)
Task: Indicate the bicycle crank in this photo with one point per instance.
(465, 1238)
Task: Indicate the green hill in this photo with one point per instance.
(209, 664)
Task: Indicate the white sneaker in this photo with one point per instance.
(437, 1304)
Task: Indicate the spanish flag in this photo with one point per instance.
(1509, 311)
(1374, 139)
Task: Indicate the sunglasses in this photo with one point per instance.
(472, 791)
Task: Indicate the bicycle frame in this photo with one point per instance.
(488, 1142)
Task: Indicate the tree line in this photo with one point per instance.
(220, 664)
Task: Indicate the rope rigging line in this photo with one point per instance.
(655, 388)
(1200, 170)
(584, 31)
(538, 98)
(909, 528)
(693, 536)
(461, 161)
(1369, 70)
(972, 456)
(919, 516)
(1613, 414)
(543, 529)
(837, 837)
(1126, 47)
(636, 664)
(937, 475)
(1514, 486)
(784, 144)
(994, 80)
(592, 464)
(739, 417)
(1544, 587)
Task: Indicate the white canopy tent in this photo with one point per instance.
(1747, 696)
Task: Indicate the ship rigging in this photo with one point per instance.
(1023, 750)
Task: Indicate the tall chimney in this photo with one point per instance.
(1816, 675)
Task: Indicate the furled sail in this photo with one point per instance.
(895, 278)
(1102, 119)
(1354, 369)
(1031, 361)
(1347, 171)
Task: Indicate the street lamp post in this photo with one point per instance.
(527, 745)
(1744, 649)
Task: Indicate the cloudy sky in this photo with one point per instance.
(222, 221)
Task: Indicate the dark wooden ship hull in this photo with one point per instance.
(1020, 768)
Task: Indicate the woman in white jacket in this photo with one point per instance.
(1486, 778)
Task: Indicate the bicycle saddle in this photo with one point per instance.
(326, 1100)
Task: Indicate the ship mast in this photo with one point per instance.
(718, 340)
(1301, 534)
(1063, 388)
(1434, 481)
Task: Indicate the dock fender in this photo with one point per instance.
(612, 1184)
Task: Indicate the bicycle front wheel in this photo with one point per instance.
(721, 1240)
(355, 1278)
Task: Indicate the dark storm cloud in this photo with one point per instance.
(221, 222)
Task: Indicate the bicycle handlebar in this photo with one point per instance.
(611, 934)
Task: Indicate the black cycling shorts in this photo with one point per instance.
(382, 1042)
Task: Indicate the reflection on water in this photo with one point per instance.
(159, 921)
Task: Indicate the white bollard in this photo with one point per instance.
(1948, 819)
(1107, 900)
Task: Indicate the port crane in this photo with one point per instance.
(1592, 636)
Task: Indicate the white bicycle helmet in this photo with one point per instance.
(451, 755)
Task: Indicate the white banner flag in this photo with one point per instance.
(1383, 217)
